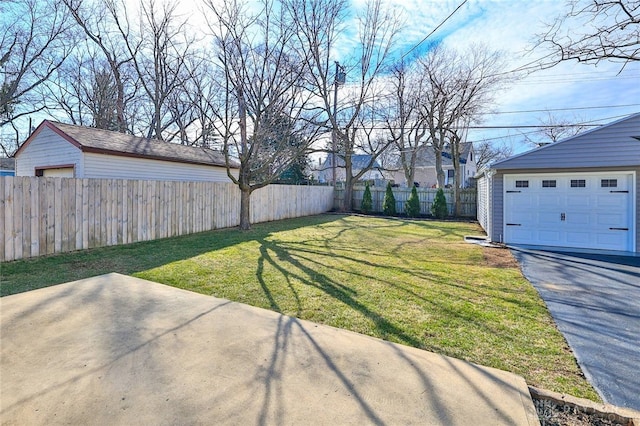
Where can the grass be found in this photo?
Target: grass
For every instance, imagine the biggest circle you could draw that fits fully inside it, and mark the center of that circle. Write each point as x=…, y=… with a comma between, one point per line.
x=410, y=282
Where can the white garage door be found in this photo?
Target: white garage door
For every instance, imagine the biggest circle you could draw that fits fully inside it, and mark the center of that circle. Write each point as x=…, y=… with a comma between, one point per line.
x=66, y=172
x=570, y=210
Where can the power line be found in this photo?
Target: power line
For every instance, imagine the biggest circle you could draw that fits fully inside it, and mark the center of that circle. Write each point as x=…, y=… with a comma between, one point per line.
x=563, y=109
x=434, y=30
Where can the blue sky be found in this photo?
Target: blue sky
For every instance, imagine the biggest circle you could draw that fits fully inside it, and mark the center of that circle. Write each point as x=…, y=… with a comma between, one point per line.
x=570, y=91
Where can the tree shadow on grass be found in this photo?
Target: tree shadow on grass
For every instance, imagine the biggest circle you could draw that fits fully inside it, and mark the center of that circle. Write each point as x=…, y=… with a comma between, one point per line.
x=302, y=263
x=314, y=278
x=30, y=274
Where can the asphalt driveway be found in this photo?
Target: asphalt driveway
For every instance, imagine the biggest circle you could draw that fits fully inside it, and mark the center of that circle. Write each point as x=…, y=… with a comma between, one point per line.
x=595, y=301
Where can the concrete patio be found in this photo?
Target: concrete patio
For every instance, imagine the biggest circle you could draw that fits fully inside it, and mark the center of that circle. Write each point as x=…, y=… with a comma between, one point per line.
x=119, y=350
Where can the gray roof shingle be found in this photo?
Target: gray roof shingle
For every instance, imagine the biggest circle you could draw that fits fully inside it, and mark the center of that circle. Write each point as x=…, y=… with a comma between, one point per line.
x=7, y=164
x=91, y=139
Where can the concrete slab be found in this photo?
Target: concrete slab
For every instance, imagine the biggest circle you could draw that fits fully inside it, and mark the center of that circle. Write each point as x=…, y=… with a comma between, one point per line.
x=119, y=350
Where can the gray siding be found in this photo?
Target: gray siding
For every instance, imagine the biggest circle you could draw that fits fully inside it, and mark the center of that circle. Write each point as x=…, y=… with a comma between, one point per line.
x=613, y=144
x=497, y=205
x=48, y=149
x=636, y=189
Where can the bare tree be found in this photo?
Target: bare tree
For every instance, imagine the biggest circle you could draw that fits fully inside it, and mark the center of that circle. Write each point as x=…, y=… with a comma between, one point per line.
x=97, y=20
x=459, y=87
x=159, y=49
x=262, y=97
x=403, y=118
x=487, y=153
x=319, y=24
x=554, y=128
x=35, y=40
x=595, y=30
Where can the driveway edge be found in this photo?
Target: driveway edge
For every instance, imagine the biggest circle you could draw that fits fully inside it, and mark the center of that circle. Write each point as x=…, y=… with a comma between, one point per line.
x=625, y=416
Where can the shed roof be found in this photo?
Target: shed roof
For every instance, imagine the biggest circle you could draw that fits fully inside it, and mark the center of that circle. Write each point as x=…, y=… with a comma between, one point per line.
x=358, y=161
x=7, y=164
x=616, y=144
x=89, y=139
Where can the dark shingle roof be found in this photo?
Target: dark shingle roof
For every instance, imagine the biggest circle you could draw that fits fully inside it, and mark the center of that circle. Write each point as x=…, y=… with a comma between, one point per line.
x=7, y=164
x=427, y=158
x=358, y=161
x=89, y=139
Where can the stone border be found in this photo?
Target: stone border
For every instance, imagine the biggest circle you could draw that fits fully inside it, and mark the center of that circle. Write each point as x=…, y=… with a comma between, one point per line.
x=622, y=415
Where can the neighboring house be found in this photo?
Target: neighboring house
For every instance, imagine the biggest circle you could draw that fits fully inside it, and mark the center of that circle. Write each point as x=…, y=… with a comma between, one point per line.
x=581, y=192
x=324, y=172
x=425, y=171
x=64, y=150
x=7, y=167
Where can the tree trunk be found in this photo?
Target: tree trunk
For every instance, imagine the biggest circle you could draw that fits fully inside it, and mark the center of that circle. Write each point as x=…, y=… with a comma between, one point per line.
x=457, y=175
x=347, y=202
x=439, y=171
x=245, y=208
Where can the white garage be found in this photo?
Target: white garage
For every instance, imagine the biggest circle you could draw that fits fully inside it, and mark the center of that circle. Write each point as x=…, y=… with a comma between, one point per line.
x=570, y=210
x=577, y=193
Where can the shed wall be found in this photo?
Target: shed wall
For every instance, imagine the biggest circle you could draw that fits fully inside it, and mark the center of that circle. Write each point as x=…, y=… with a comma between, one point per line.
x=102, y=166
x=48, y=149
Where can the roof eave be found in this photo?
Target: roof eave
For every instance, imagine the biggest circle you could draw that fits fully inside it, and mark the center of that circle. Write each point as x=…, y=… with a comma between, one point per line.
x=152, y=157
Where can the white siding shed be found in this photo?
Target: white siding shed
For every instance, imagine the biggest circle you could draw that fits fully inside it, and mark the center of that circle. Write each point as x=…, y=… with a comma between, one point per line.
x=57, y=149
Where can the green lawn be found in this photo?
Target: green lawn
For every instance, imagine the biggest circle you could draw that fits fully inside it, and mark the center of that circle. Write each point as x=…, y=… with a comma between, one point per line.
x=411, y=282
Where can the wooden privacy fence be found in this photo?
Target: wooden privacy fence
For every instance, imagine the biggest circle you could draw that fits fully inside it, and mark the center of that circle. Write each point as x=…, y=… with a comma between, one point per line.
x=41, y=216
x=426, y=196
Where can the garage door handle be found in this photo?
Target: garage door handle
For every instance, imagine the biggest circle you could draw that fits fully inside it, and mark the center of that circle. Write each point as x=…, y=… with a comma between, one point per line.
x=513, y=192
x=514, y=224
x=619, y=229
x=619, y=192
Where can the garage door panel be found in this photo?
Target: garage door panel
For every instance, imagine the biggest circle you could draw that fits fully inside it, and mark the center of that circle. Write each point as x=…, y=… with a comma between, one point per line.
x=521, y=235
x=524, y=201
x=548, y=218
x=578, y=218
x=578, y=239
x=582, y=201
x=612, y=219
x=566, y=216
x=549, y=237
x=609, y=201
x=549, y=201
x=611, y=239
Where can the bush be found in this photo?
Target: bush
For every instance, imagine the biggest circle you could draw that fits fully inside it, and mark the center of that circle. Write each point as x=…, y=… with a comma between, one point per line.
x=367, y=202
x=439, y=207
x=412, y=205
x=389, y=203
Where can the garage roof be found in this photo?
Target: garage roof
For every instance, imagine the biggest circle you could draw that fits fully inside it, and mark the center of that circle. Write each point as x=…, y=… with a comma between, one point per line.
x=612, y=145
x=89, y=139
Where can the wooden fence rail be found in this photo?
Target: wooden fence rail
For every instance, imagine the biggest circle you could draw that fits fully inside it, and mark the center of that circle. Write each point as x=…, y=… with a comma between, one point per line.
x=41, y=216
x=426, y=196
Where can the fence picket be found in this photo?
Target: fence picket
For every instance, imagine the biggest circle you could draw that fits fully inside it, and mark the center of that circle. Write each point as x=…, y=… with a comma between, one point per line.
x=41, y=216
x=426, y=196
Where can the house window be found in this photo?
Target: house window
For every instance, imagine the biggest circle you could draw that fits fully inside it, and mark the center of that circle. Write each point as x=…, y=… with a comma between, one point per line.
x=450, y=174
x=578, y=183
x=549, y=183
x=522, y=184
x=609, y=183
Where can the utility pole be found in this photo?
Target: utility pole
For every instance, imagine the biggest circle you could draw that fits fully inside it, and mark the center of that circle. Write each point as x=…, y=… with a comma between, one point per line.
x=339, y=79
